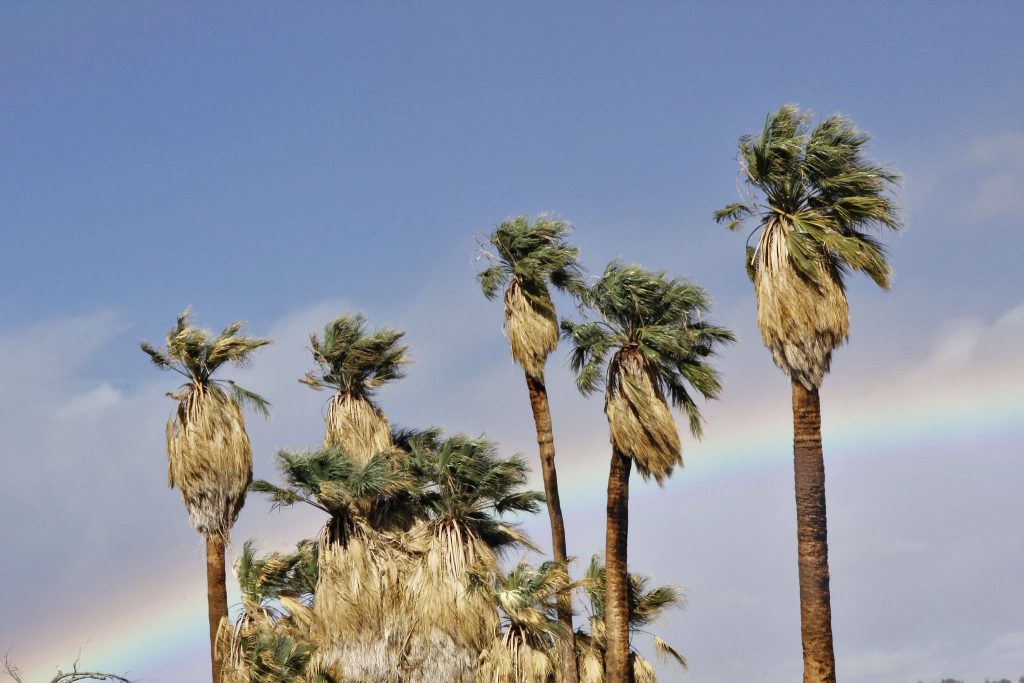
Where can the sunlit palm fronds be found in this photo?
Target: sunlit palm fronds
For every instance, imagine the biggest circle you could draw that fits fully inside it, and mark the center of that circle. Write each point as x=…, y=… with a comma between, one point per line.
x=815, y=198
x=649, y=348
x=527, y=256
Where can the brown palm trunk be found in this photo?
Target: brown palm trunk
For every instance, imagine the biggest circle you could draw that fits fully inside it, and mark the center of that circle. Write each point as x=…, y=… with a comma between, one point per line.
x=812, y=537
x=216, y=596
x=546, y=445
x=616, y=573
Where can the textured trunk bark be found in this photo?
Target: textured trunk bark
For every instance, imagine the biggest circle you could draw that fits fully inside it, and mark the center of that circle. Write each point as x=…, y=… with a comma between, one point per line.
x=546, y=446
x=216, y=597
x=812, y=538
x=616, y=610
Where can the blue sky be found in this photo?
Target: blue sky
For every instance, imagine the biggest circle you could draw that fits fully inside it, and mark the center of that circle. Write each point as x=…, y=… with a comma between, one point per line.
x=285, y=163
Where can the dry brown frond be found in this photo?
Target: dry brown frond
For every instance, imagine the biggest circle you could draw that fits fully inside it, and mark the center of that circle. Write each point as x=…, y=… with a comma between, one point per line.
x=532, y=329
x=640, y=422
x=801, y=320
x=358, y=426
x=513, y=659
x=209, y=458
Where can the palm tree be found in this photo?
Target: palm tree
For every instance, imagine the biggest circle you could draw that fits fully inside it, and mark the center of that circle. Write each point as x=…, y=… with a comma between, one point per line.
x=813, y=195
x=467, y=490
x=653, y=337
x=355, y=362
x=210, y=460
x=270, y=644
x=361, y=607
x=645, y=607
x=530, y=256
x=526, y=649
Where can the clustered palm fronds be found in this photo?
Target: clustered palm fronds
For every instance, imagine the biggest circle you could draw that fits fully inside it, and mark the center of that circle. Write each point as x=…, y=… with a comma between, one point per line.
x=210, y=460
x=818, y=198
x=646, y=606
x=530, y=256
x=355, y=362
x=648, y=347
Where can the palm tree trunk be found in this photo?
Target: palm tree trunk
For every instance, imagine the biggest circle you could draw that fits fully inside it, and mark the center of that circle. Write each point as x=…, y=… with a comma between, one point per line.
x=812, y=537
x=216, y=596
x=546, y=445
x=616, y=573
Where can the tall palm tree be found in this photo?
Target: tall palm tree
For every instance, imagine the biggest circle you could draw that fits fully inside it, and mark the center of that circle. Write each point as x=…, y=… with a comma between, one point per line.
x=528, y=257
x=651, y=342
x=354, y=362
x=209, y=457
x=813, y=196
x=646, y=606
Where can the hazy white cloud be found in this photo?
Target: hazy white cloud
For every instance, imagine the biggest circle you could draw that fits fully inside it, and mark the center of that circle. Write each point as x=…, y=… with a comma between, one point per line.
x=998, y=195
x=997, y=149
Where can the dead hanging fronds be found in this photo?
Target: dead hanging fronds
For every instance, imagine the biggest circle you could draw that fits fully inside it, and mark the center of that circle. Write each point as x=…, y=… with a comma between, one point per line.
x=531, y=327
x=802, y=319
x=639, y=419
x=358, y=426
x=209, y=457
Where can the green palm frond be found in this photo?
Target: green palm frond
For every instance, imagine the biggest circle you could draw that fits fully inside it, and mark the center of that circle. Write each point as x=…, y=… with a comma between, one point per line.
x=466, y=482
x=197, y=354
x=537, y=254
x=354, y=360
x=818, y=185
x=663, y=320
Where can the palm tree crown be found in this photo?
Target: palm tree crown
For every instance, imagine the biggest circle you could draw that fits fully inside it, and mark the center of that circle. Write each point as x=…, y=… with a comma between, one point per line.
x=355, y=362
x=814, y=197
x=529, y=256
x=646, y=606
x=210, y=459
x=654, y=331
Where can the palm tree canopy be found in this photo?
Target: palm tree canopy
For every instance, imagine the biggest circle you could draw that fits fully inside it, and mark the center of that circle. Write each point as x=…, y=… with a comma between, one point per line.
x=646, y=606
x=353, y=360
x=527, y=257
x=344, y=487
x=663, y=321
x=266, y=578
x=536, y=253
x=816, y=186
x=196, y=354
x=465, y=482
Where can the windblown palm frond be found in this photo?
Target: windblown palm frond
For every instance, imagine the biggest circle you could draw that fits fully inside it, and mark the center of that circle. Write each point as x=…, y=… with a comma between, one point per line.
x=209, y=457
x=648, y=349
x=815, y=198
x=646, y=606
x=528, y=256
x=355, y=361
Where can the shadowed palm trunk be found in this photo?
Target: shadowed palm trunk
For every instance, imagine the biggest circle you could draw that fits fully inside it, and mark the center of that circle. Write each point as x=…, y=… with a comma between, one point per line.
x=616, y=620
x=812, y=537
x=546, y=445
x=216, y=596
